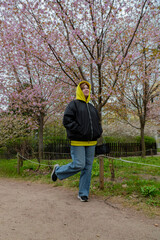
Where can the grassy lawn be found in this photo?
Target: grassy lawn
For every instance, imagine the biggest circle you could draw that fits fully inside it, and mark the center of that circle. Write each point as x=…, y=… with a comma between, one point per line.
x=135, y=184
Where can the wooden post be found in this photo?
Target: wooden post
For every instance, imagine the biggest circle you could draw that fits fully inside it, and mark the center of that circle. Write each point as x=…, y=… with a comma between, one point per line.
x=101, y=172
x=18, y=163
x=21, y=162
x=111, y=166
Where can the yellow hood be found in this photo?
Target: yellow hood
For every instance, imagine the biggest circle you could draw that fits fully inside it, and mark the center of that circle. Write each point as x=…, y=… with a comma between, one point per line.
x=79, y=93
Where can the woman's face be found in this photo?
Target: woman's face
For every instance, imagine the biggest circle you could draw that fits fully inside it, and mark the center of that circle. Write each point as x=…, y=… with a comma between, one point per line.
x=85, y=90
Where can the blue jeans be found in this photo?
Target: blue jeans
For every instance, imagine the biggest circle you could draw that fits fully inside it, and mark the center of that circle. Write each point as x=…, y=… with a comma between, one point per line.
x=82, y=157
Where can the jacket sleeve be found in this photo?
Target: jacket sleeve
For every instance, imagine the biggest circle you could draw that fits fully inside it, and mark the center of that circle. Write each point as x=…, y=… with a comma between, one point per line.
x=69, y=118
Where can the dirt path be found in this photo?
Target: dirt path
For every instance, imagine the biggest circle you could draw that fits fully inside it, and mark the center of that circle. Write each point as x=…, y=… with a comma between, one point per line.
x=31, y=211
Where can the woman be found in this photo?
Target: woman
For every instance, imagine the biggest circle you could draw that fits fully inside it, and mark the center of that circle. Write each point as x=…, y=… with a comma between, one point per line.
x=83, y=127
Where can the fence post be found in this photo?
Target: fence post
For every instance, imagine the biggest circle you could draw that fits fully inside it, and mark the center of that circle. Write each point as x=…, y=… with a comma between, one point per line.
x=18, y=163
x=111, y=166
x=151, y=152
x=101, y=172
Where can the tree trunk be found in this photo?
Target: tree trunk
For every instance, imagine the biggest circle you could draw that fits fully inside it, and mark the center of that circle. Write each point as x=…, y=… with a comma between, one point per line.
x=100, y=140
x=142, y=141
x=40, y=146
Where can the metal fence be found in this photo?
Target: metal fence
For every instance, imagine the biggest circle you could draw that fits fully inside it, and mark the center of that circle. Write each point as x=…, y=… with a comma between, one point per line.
x=60, y=149
x=7, y=156
x=130, y=149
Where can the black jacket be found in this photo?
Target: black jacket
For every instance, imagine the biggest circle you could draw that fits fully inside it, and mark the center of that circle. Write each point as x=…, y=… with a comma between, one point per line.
x=81, y=121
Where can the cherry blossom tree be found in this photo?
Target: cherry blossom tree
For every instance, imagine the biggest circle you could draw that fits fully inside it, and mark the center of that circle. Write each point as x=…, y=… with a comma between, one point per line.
x=87, y=40
x=28, y=87
x=138, y=92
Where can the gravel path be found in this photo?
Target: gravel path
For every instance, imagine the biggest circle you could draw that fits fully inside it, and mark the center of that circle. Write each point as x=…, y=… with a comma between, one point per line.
x=32, y=211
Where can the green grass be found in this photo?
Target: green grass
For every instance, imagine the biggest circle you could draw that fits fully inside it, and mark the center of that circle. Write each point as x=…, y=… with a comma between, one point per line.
x=158, y=149
x=136, y=184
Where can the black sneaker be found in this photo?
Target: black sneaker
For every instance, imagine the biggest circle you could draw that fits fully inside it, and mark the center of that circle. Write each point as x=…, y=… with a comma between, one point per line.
x=53, y=175
x=83, y=198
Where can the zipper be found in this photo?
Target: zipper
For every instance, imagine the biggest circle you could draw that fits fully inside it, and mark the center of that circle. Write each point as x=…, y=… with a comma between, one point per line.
x=90, y=121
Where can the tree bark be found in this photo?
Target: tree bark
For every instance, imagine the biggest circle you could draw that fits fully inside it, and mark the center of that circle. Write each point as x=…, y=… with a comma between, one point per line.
x=142, y=141
x=100, y=140
x=40, y=146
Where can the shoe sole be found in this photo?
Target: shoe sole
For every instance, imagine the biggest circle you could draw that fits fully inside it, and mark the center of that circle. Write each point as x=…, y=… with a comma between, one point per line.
x=53, y=172
x=82, y=199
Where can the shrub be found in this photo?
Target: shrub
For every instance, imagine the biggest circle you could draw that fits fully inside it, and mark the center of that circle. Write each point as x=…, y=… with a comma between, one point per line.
x=148, y=140
x=128, y=139
x=21, y=145
x=150, y=143
x=3, y=150
x=149, y=191
x=118, y=139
